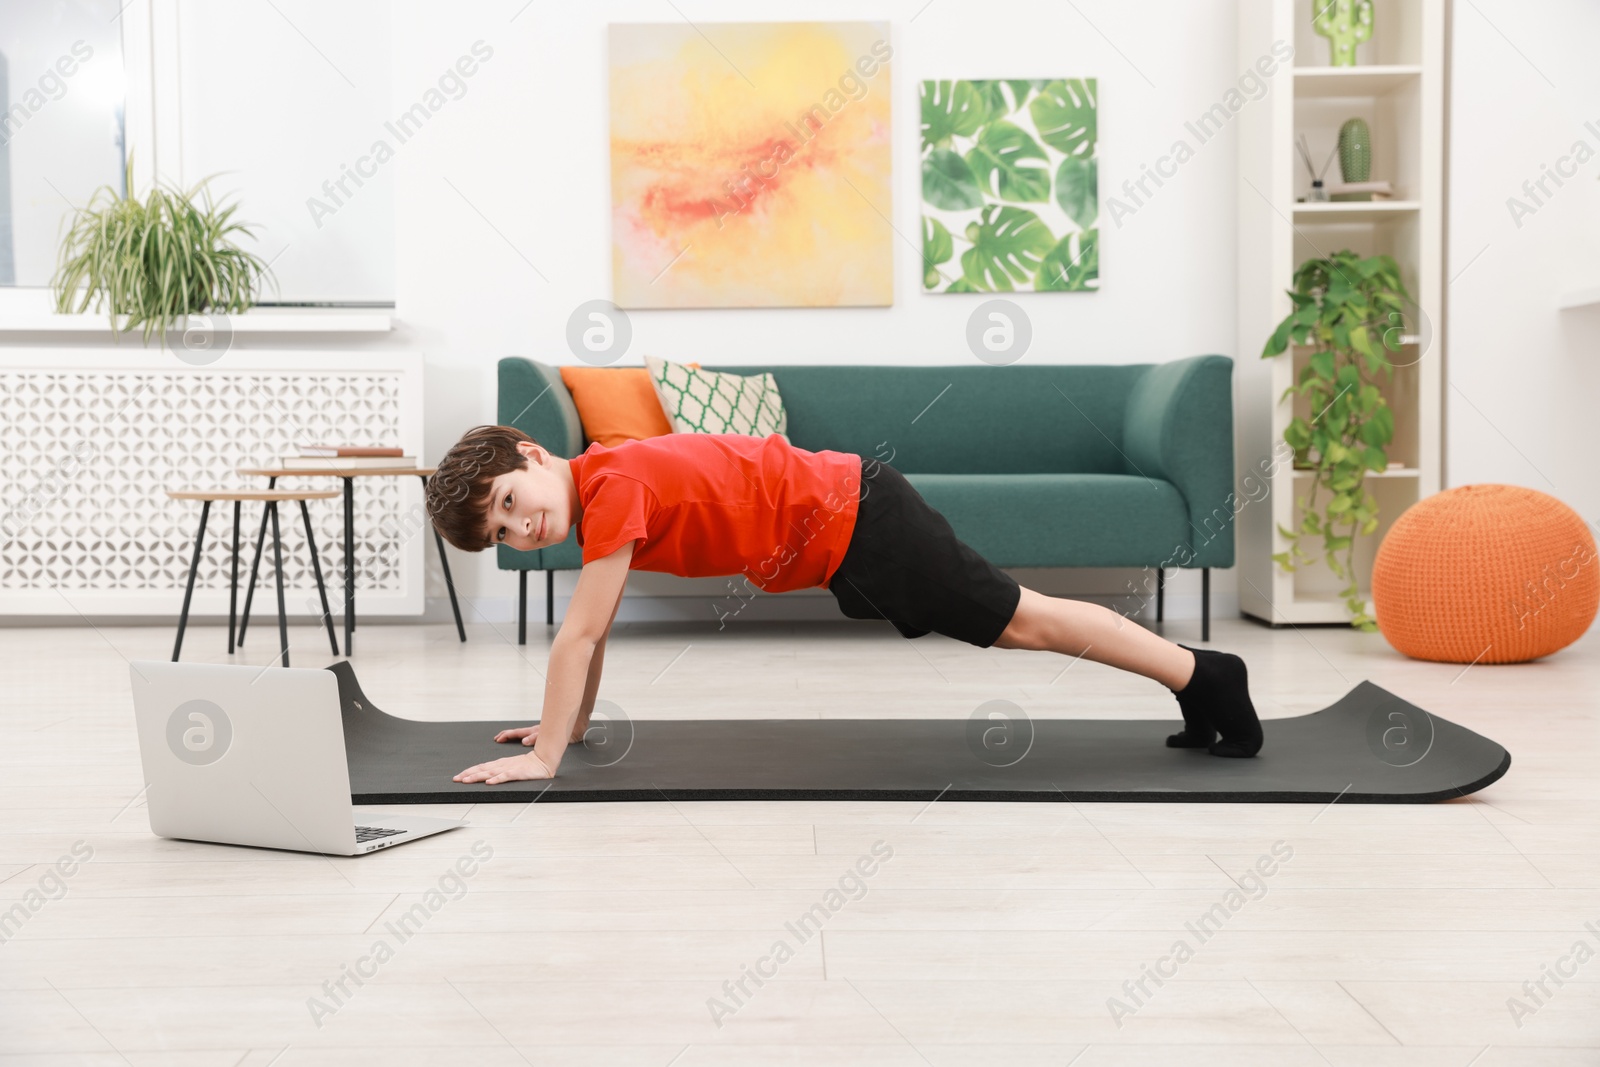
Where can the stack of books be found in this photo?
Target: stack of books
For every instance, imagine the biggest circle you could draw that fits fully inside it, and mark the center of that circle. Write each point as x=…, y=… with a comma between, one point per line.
x=347, y=457
x=1377, y=190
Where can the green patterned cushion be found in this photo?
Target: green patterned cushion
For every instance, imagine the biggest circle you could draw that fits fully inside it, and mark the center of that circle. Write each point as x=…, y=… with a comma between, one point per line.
x=707, y=401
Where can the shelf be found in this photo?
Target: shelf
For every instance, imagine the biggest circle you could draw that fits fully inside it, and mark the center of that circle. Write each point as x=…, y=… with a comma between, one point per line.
x=1398, y=91
x=1314, y=610
x=256, y=320
x=1352, y=81
x=1401, y=472
x=1405, y=339
x=1355, y=210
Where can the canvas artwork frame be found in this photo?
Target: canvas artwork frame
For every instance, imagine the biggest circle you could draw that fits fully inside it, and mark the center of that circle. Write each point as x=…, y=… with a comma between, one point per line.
x=1010, y=185
x=751, y=164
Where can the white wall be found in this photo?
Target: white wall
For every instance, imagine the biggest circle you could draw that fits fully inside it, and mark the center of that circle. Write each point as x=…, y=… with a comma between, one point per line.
x=527, y=148
x=1524, y=376
x=509, y=182
x=501, y=202
x=280, y=101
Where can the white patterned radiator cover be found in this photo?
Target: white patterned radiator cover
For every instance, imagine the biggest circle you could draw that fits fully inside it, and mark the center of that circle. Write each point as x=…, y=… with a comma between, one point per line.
x=91, y=440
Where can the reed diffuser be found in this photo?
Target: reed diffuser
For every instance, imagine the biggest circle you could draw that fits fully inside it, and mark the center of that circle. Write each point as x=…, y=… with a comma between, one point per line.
x=1317, y=194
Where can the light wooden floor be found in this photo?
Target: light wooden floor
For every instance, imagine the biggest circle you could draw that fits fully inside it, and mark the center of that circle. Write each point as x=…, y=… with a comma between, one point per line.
x=996, y=933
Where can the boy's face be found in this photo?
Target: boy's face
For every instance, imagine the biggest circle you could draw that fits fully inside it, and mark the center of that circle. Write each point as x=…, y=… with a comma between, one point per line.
x=530, y=508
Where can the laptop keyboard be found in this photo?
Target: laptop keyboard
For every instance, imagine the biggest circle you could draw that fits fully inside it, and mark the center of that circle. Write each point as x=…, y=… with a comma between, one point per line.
x=372, y=833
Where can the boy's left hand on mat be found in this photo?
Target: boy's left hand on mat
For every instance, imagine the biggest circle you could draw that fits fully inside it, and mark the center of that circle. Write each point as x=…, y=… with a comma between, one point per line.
x=511, y=769
x=526, y=734
x=529, y=734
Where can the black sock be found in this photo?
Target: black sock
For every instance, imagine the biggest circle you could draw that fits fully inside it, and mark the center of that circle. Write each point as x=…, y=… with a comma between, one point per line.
x=1217, y=698
x=1197, y=731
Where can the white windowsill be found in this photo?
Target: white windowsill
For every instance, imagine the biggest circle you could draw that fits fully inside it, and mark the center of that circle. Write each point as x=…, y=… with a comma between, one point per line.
x=256, y=320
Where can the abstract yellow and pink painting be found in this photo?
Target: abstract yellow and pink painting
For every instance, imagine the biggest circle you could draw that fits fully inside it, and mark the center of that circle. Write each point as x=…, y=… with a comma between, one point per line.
x=750, y=165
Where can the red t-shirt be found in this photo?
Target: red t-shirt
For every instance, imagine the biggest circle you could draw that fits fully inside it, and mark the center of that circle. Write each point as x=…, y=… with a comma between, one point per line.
x=706, y=505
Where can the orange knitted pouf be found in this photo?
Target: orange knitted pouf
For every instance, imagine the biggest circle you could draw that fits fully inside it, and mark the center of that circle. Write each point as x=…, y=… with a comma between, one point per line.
x=1486, y=573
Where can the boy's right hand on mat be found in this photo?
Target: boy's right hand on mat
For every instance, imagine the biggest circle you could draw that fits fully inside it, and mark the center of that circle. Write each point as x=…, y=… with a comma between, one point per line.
x=510, y=769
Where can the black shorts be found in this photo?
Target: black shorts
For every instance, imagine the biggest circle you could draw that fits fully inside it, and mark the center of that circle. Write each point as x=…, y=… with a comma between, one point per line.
x=905, y=564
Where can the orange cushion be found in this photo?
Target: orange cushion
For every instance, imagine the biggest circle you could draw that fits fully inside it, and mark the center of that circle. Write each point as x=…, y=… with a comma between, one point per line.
x=616, y=404
x=1486, y=573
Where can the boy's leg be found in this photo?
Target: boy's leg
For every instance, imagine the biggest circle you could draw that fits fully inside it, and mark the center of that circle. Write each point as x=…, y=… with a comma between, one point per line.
x=1079, y=628
x=905, y=563
x=1211, y=687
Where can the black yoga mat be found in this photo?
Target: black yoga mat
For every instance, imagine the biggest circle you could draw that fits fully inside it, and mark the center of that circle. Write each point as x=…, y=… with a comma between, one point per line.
x=1369, y=747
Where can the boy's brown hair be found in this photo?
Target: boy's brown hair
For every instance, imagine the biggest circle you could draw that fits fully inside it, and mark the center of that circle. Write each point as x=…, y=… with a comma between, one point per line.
x=458, y=492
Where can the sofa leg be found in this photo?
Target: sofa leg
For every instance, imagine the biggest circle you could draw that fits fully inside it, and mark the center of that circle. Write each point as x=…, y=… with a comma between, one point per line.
x=1205, y=603
x=549, y=598
x=522, y=607
x=1161, y=577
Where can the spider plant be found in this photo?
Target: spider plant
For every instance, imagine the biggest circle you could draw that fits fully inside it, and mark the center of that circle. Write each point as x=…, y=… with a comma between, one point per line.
x=155, y=261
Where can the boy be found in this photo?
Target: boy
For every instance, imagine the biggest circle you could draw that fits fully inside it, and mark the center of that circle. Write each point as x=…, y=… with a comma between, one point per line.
x=702, y=505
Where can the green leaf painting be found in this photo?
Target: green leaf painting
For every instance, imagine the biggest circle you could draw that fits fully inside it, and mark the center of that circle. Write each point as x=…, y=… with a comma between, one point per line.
x=1064, y=114
x=1074, y=260
x=1008, y=244
x=951, y=108
x=1010, y=186
x=1078, y=190
x=948, y=183
x=937, y=248
x=1004, y=161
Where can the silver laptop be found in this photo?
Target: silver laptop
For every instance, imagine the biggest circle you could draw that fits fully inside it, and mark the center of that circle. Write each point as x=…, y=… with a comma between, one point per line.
x=255, y=756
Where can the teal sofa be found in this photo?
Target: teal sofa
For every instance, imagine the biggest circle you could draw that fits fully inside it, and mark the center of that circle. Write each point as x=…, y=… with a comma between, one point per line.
x=1035, y=466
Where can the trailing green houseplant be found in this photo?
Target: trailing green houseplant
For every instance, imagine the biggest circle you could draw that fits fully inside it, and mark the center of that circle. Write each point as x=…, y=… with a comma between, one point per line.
x=1349, y=311
x=155, y=261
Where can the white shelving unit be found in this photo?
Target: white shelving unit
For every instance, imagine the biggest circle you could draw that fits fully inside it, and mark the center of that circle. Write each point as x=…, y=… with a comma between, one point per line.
x=1399, y=90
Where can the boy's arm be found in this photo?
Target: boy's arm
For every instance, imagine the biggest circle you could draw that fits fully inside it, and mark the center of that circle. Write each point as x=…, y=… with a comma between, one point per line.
x=573, y=674
x=591, y=688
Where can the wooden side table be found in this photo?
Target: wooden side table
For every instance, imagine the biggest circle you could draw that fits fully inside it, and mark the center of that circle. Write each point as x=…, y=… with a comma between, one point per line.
x=349, y=475
x=271, y=497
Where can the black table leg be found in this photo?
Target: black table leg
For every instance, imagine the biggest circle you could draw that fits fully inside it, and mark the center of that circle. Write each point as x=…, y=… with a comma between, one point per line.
x=445, y=565
x=277, y=561
x=1205, y=603
x=183, y=616
x=316, y=568
x=522, y=607
x=255, y=565
x=549, y=598
x=349, y=564
x=233, y=580
x=1161, y=580
x=455, y=608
